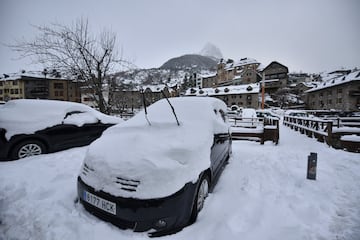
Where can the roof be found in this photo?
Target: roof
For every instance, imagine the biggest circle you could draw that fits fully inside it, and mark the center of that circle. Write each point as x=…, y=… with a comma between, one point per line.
x=335, y=81
x=153, y=88
x=208, y=75
x=32, y=75
x=227, y=90
x=241, y=62
x=275, y=62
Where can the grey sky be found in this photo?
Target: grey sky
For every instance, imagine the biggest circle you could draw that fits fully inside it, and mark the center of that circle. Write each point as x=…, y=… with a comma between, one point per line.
x=306, y=35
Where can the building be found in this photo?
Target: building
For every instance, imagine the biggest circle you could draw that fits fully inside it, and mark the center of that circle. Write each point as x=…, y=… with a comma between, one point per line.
x=340, y=92
x=276, y=77
x=31, y=86
x=245, y=95
x=244, y=71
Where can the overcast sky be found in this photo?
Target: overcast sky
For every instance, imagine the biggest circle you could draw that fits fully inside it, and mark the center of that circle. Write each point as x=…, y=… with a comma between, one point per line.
x=305, y=35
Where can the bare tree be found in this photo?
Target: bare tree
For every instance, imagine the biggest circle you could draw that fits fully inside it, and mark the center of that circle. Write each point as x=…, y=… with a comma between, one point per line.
x=73, y=50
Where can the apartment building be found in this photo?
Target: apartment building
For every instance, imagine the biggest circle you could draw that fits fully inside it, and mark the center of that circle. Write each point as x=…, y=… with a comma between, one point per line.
x=19, y=86
x=341, y=92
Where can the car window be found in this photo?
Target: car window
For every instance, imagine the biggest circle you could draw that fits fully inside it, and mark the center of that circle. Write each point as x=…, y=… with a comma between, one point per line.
x=80, y=118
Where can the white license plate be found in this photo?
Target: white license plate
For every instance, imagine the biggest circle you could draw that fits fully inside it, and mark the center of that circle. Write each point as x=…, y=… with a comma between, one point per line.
x=99, y=202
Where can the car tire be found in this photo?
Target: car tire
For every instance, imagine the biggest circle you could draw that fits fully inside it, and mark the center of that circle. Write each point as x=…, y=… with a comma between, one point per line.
x=28, y=148
x=202, y=192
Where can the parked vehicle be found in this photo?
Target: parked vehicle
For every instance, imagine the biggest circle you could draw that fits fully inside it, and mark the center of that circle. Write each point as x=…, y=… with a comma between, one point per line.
x=33, y=127
x=262, y=113
x=296, y=113
x=248, y=118
x=154, y=171
x=232, y=114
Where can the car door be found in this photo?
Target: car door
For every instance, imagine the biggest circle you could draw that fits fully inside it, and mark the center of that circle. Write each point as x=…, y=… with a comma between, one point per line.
x=75, y=131
x=220, y=147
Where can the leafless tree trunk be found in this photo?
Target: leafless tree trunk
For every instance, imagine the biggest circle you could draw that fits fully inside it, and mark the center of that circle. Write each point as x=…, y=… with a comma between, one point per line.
x=74, y=51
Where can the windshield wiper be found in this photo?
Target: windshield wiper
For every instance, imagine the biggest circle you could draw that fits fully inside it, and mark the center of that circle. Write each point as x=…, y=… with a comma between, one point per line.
x=172, y=108
x=144, y=103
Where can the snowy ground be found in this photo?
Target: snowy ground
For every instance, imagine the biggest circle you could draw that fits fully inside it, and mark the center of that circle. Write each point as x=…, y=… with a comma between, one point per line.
x=262, y=194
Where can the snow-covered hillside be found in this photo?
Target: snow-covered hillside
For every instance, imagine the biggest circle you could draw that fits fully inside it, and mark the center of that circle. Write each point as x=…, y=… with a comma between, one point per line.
x=263, y=193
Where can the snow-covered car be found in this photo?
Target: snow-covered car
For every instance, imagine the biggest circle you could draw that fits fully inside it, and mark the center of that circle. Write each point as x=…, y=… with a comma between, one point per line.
x=31, y=127
x=153, y=173
x=248, y=118
x=296, y=113
x=262, y=113
x=232, y=114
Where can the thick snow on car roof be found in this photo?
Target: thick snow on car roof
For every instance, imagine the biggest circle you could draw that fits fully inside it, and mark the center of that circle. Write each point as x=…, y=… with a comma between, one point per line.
x=162, y=156
x=30, y=115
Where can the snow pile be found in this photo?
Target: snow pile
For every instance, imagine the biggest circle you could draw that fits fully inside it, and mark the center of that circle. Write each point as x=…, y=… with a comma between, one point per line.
x=263, y=193
x=163, y=157
x=26, y=116
x=351, y=138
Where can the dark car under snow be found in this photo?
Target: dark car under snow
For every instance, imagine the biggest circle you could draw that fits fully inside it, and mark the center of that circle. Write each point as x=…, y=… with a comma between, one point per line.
x=152, y=174
x=33, y=127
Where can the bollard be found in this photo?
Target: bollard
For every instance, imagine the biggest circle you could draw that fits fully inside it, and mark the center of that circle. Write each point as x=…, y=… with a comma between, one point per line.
x=311, y=168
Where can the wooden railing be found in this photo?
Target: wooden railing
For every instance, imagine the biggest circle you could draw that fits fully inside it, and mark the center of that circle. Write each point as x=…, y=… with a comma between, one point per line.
x=259, y=129
x=329, y=131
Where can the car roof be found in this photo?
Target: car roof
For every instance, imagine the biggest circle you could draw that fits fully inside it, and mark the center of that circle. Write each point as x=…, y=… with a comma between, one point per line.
x=188, y=109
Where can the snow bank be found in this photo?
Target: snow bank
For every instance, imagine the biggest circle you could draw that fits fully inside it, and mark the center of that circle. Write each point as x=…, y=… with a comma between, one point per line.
x=163, y=156
x=28, y=116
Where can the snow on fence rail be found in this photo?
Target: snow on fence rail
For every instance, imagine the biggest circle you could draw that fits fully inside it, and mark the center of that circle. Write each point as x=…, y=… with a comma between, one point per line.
x=258, y=129
x=329, y=131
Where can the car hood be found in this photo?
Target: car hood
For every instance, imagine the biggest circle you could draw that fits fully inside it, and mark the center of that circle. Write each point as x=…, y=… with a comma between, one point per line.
x=161, y=161
x=159, y=158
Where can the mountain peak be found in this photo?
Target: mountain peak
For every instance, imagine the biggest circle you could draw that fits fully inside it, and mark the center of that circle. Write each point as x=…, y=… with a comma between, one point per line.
x=212, y=51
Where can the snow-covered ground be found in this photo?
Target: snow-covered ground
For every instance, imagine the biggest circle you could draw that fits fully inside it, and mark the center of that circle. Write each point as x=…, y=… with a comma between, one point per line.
x=263, y=193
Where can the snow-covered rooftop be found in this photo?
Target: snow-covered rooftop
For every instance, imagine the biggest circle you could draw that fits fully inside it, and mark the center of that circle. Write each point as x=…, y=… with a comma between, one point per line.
x=241, y=62
x=30, y=74
x=334, y=81
x=208, y=75
x=235, y=89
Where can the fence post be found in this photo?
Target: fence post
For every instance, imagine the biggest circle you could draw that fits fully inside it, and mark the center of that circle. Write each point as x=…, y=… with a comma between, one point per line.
x=311, y=167
x=329, y=133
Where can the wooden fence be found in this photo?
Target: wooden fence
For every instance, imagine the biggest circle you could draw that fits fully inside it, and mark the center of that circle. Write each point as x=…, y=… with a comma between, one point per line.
x=258, y=129
x=329, y=131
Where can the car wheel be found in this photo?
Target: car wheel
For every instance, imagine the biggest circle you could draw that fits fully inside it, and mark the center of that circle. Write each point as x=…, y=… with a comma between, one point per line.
x=201, y=194
x=28, y=148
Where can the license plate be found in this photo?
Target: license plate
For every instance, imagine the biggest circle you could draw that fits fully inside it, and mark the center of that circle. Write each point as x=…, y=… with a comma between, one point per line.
x=99, y=202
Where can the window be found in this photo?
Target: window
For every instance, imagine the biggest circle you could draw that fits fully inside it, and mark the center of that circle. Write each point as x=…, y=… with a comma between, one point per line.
x=15, y=83
x=59, y=85
x=14, y=91
x=1, y=91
